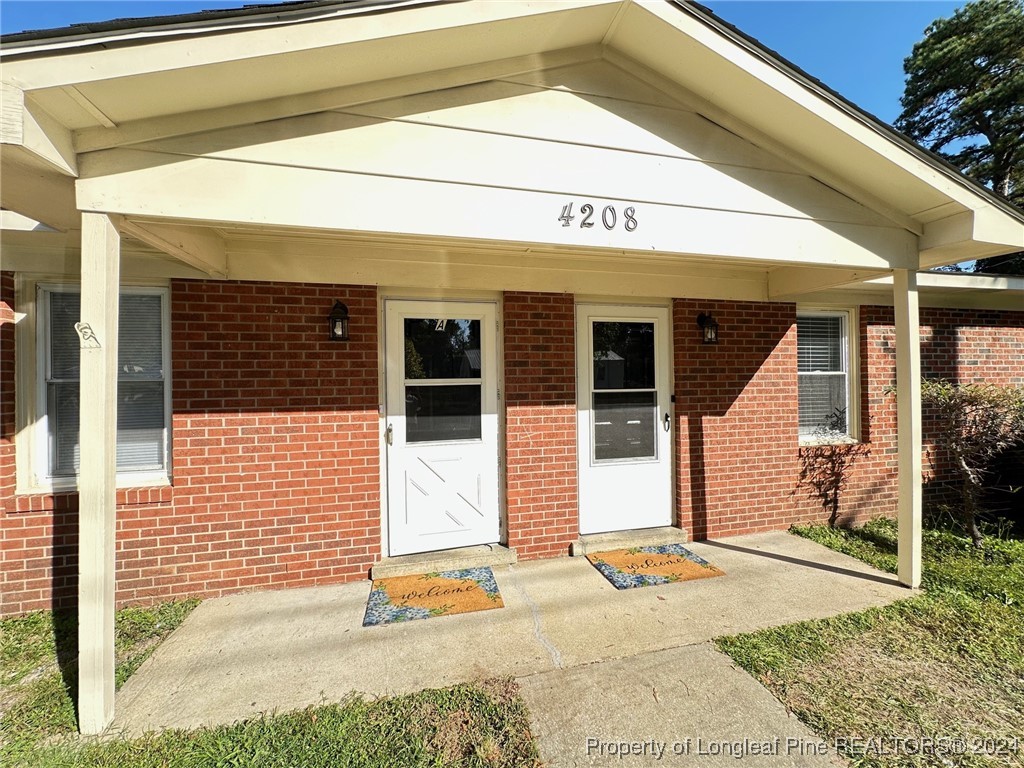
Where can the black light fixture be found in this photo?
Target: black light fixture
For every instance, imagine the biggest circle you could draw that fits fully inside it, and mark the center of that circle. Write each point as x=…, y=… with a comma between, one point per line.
x=338, y=320
x=709, y=327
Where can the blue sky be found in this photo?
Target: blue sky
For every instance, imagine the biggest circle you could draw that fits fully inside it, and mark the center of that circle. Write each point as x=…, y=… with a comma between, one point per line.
x=855, y=47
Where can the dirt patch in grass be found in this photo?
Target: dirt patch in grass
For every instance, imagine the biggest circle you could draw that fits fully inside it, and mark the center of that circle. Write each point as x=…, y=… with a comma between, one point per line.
x=465, y=726
x=482, y=724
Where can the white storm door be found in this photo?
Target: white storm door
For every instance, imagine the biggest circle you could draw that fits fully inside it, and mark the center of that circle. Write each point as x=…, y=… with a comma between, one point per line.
x=441, y=425
x=624, y=424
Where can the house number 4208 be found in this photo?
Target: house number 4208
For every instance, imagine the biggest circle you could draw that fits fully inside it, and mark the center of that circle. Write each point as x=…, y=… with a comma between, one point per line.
x=609, y=217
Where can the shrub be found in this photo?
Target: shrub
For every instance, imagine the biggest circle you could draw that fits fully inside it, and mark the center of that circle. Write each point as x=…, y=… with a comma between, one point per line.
x=975, y=423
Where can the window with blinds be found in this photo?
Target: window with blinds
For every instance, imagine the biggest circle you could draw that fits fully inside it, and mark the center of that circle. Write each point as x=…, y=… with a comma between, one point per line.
x=142, y=360
x=823, y=375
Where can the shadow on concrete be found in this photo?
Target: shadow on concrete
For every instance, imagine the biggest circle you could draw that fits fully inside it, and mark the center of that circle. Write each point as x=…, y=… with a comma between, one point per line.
x=889, y=580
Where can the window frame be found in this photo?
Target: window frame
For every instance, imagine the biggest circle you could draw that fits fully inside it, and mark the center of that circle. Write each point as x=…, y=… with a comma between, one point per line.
x=41, y=451
x=850, y=326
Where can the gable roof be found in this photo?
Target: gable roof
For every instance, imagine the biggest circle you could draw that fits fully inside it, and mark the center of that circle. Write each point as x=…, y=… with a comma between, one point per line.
x=123, y=29
x=102, y=93
x=126, y=31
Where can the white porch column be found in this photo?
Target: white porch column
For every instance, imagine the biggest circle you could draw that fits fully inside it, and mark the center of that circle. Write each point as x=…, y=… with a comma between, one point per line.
x=908, y=424
x=101, y=256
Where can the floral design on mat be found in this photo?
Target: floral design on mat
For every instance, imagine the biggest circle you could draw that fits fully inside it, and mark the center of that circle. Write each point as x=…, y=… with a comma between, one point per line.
x=405, y=598
x=644, y=566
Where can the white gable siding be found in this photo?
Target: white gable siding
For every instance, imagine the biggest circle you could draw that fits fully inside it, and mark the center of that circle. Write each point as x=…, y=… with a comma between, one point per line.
x=498, y=161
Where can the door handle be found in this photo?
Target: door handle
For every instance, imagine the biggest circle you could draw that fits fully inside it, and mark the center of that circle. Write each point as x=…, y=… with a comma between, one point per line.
x=389, y=435
x=668, y=422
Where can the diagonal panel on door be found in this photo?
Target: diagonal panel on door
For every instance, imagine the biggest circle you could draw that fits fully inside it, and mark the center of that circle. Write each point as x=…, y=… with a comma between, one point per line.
x=441, y=410
x=446, y=493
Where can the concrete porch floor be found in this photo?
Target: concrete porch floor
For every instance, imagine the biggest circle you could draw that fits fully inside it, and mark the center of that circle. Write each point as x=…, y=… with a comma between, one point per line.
x=238, y=656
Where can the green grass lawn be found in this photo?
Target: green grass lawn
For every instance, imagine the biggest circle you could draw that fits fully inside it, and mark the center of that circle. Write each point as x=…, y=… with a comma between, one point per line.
x=484, y=724
x=947, y=664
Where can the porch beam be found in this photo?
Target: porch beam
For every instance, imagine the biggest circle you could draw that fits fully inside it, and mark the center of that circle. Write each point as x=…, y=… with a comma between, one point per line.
x=35, y=191
x=197, y=247
x=785, y=282
x=101, y=254
x=908, y=425
x=973, y=234
x=144, y=184
x=25, y=125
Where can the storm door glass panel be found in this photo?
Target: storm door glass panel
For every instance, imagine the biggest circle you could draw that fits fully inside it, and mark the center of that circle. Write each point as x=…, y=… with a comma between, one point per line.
x=442, y=349
x=443, y=380
x=624, y=398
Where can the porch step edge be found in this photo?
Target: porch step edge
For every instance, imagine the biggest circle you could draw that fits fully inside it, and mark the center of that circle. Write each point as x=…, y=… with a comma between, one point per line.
x=445, y=560
x=641, y=537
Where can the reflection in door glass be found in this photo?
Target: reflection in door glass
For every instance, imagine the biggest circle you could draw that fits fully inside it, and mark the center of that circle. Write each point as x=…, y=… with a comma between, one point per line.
x=447, y=412
x=625, y=425
x=442, y=348
x=623, y=355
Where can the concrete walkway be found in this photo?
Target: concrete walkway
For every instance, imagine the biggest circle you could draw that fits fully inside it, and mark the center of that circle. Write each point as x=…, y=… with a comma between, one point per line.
x=594, y=662
x=683, y=706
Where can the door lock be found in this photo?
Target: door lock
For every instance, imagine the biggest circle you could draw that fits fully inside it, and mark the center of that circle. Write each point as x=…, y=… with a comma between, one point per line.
x=668, y=422
x=389, y=435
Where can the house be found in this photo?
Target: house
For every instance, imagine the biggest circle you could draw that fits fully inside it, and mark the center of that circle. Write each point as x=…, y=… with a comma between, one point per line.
x=291, y=289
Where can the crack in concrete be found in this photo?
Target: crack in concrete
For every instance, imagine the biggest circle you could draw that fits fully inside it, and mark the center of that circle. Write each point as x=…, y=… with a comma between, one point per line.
x=538, y=632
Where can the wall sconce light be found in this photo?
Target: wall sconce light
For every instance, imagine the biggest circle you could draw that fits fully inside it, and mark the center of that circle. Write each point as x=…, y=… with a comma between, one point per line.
x=338, y=320
x=709, y=328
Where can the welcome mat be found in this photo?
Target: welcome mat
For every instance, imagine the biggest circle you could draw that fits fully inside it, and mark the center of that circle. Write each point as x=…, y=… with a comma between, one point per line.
x=643, y=566
x=404, y=598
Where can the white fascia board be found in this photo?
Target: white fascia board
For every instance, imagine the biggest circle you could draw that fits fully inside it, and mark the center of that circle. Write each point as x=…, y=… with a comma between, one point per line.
x=201, y=26
x=242, y=41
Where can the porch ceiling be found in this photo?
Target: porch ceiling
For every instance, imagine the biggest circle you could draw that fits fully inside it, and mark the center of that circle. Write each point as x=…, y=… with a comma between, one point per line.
x=99, y=93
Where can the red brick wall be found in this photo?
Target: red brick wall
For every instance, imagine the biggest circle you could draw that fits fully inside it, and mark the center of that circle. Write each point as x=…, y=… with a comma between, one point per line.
x=736, y=418
x=276, y=444
x=275, y=457
x=540, y=423
x=961, y=345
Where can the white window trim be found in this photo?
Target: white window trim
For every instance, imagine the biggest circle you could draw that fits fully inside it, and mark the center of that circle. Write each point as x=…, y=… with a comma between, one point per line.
x=32, y=442
x=851, y=353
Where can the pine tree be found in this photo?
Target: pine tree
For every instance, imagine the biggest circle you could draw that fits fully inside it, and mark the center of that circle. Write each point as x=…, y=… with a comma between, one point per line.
x=964, y=95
